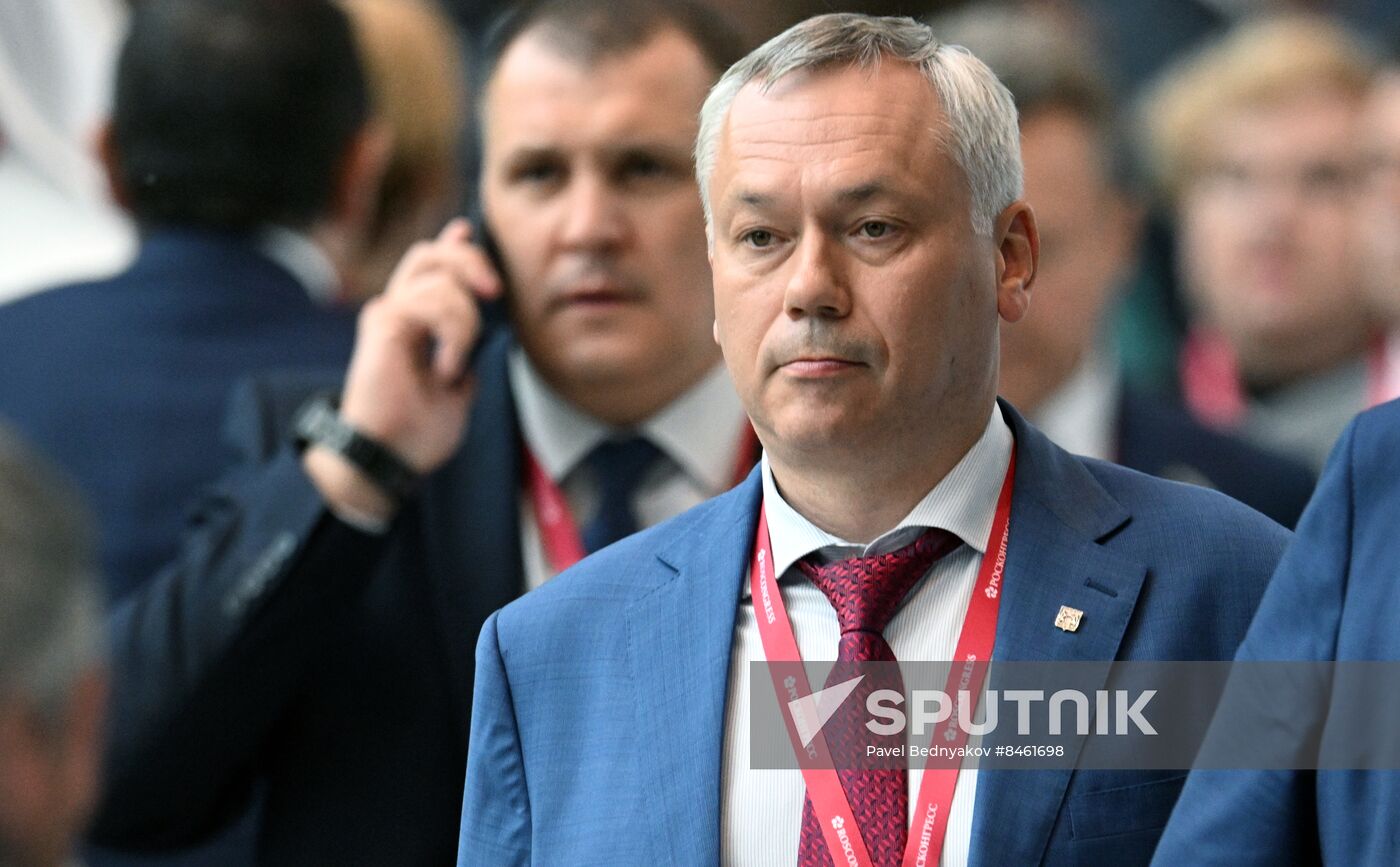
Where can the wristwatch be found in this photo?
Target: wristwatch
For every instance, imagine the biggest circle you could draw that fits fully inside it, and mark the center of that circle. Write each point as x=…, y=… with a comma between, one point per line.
x=318, y=422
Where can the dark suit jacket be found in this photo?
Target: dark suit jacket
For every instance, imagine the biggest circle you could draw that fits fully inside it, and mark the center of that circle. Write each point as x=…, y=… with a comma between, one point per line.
x=334, y=666
x=1335, y=596
x=1160, y=438
x=600, y=698
x=125, y=381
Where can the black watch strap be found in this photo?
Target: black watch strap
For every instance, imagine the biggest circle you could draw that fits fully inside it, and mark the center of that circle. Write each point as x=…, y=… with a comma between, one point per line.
x=318, y=422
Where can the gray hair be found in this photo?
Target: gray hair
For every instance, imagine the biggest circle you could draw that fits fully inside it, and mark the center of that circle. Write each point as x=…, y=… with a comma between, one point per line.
x=982, y=135
x=50, y=606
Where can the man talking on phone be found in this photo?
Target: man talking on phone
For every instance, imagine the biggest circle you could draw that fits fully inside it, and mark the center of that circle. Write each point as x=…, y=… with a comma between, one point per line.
x=314, y=640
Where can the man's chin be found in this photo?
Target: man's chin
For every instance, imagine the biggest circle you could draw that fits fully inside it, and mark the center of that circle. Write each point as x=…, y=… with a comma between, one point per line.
x=603, y=362
x=819, y=433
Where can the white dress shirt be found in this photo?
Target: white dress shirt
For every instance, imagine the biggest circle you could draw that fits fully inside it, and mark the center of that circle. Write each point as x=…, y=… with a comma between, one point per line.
x=1081, y=416
x=1389, y=386
x=761, y=810
x=700, y=435
x=304, y=259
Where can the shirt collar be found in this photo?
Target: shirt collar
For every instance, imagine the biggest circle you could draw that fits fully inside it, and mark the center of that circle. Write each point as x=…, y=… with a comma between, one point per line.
x=703, y=429
x=964, y=503
x=304, y=260
x=1081, y=415
x=700, y=431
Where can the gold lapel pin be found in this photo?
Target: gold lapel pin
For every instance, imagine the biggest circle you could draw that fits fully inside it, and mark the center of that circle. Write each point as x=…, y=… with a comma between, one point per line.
x=1068, y=618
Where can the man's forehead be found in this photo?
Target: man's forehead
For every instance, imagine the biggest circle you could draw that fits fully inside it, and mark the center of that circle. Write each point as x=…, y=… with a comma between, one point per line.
x=666, y=62
x=539, y=93
x=844, y=124
x=1299, y=127
x=831, y=105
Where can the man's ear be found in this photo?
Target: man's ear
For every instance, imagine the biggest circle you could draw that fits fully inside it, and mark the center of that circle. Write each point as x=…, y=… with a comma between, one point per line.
x=1018, y=252
x=109, y=156
x=355, y=199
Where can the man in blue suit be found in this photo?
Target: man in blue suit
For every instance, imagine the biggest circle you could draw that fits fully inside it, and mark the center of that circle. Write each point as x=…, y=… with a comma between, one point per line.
x=250, y=196
x=244, y=190
x=861, y=184
x=1334, y=597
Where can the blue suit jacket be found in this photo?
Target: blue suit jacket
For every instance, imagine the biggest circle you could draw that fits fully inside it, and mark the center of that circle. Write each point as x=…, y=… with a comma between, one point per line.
x=125, y=381
x=1335, y=596
x=600, y=698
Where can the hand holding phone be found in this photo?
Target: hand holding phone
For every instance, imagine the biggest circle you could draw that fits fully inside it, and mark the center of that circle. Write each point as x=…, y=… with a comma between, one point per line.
x=410, y=386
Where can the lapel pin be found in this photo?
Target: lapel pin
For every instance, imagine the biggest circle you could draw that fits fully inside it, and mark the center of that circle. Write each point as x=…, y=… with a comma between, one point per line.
x=1068, y=618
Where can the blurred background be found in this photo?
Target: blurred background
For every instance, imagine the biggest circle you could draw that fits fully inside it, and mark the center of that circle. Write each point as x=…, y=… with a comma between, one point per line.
x=1216, y=182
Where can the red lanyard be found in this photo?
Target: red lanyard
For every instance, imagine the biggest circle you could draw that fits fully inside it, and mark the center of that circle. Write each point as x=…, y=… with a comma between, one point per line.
x=559, y=532
x=974, y=649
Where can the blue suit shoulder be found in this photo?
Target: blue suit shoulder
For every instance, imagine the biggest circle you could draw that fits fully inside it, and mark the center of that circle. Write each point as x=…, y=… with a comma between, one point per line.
x=1164, y=504
x=1375, y=440
x=1209, y=560
x=29, y=322
x=1167, y=514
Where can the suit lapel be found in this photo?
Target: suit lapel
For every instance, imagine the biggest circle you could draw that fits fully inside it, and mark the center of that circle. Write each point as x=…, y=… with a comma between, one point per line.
x=679, y=640
x=1059, y=516
x=471, y=523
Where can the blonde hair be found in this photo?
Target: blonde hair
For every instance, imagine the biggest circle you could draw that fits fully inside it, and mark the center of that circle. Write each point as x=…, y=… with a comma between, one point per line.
x=1259, y=62
x=414, y=70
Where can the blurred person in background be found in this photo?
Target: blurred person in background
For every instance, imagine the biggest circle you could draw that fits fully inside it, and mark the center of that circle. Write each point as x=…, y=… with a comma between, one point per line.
x=1254, y=141
x=240, y=142
x=418, y=90
x=1378, y=213
x=56, y=223
x=242, y=145
x=316, y=632
x=52, y=678
x=1060, y=364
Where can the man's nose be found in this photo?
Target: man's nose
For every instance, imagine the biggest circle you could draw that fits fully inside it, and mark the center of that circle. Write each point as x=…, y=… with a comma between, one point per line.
x=595, y=217
x=818, y=285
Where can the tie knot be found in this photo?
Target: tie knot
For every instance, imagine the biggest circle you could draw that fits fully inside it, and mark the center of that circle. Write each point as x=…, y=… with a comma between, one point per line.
x=866, y=591
x=620, y=464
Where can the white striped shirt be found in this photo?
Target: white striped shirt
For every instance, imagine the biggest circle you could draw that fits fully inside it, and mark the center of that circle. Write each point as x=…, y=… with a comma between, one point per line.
x=761, y=810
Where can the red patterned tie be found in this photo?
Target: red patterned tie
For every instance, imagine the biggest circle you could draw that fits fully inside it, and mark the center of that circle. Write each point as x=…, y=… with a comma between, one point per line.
x=866, y=592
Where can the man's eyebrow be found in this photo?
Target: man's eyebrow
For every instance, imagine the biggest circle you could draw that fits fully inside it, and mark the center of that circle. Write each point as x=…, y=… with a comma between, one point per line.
x=754, y=199
x=862, y=192
x=668, y=150
x=850, y=195
x=532, y=152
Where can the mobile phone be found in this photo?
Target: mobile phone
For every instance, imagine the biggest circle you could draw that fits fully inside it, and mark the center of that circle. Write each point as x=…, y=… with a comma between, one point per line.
x=493, y=313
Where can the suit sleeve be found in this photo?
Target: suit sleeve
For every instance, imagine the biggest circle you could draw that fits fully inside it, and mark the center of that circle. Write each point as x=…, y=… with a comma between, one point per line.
x=207, y=657
x=1247, y=817
x=496, y=804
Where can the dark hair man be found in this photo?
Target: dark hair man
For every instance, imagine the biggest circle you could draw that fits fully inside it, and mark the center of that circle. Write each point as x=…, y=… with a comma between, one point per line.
x=239, y=142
